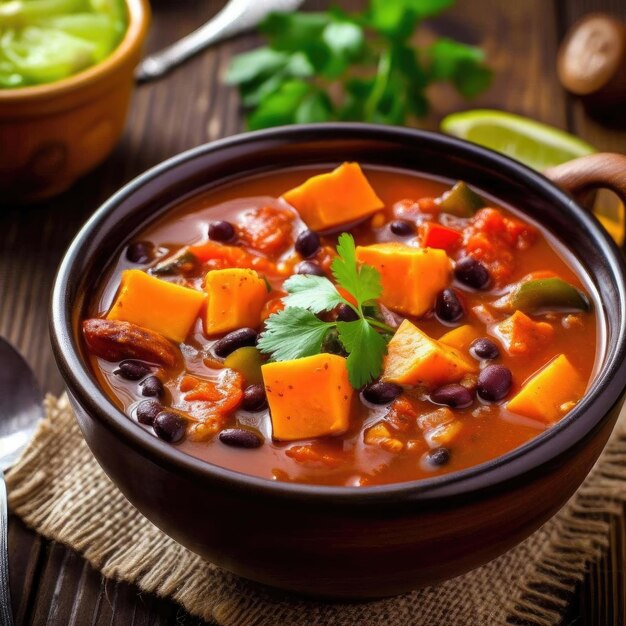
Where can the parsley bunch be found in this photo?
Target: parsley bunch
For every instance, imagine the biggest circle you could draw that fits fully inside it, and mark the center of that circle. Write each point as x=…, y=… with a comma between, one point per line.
x=296, y=331
x=362, y=66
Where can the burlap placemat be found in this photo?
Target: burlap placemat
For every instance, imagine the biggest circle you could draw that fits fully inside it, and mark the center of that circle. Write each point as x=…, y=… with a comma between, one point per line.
x=58, y=489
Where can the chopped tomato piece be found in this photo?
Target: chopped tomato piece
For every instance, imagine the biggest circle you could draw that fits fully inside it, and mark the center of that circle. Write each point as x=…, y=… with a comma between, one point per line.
x=492, y=238
x=314, y=453
x=217, y=256
x=268, y=230
x=434, y=235
x=210, y=402
x=273, y=306
x=402, y=414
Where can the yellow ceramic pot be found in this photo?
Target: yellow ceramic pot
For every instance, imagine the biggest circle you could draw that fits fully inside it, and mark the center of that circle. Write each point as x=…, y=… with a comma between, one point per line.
x=51, y=134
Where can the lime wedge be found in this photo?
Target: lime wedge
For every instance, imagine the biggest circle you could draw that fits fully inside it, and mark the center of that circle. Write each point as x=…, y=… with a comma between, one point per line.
x=537, y=145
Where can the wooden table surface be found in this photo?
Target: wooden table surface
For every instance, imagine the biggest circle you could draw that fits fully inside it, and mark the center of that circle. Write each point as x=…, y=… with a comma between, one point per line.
x=52, y=585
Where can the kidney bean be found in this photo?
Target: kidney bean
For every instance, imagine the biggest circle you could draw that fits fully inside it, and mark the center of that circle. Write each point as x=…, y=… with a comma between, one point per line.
x=239, y=438
x=402, y=228
x=381, y=393
x=307, y=243
x=448, y=307
x=147, y=411
x=494, y=383
x=346, y=313
x=472, y=273
x=132, y=370
x=254, y=398
x=169, y=426
x=140, y=252
x=438, y=457
x=151, y=387
x=484, y=349
x=221, y=231
x=309, y=267
x=235, y=340
x=453, y=395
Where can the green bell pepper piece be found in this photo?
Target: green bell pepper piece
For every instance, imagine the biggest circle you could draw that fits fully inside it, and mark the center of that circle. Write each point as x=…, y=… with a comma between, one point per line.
x=247, y=361
x=544, y=294
x=461, y=200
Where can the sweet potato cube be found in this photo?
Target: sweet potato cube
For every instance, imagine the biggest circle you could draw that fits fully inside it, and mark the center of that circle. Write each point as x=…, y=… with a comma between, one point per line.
x=461, y=338
x=235, y=299
x=411, y=277
x=521, y=335
x=152, y=303
x=549, y=393
x=414, y=358
x=341, y=196
x=308, y=397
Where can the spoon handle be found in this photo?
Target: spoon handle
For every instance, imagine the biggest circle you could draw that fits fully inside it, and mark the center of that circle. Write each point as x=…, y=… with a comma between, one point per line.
x=6, y=618
x=236, y=17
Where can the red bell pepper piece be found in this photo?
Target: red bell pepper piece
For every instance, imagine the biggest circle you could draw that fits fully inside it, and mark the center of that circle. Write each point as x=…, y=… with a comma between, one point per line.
x=434, y=235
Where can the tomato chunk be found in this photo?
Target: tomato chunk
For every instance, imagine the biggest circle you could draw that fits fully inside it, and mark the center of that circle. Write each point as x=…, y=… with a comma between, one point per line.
x=493, y=238
x=267, y=230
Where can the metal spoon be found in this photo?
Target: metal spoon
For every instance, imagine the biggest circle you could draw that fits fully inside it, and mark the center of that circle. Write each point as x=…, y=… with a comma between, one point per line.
x=236, y=17
x=21, y=407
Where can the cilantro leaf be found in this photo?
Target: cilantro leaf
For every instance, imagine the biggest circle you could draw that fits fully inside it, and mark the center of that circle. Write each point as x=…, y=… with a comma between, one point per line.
x=461, y=64
x=293, y=333
x=366, y=348
x=361, y=282
x=364, y=66
x=314, y=293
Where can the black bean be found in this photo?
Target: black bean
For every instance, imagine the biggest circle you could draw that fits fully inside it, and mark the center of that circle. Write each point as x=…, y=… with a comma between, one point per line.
x=309, y=267
x=254, y=398
x=307, y=243
x=484, y=349
x=494, y=383
x=140, y=252
x=448, y=307
x=151, y=387
x=233, y=341
x=472, y=273
x=453, y=395
x=438, y=456
x=402, y=228
x=147, y=411
x=221, y=231
x=132, y=370
x=346, y=313
x=169, y=426
x=381, y=393
x=240, y=438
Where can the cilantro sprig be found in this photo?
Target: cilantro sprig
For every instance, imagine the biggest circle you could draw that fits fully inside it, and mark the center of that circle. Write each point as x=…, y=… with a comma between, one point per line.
x=296, y=331
x=362, y=66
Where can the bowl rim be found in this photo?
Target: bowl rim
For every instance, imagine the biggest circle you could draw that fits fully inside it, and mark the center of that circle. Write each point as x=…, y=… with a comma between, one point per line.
x=499, y=473
x=138, y=19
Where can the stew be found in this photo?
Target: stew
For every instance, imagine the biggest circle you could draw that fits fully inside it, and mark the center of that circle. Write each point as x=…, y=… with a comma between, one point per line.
x=344, y=326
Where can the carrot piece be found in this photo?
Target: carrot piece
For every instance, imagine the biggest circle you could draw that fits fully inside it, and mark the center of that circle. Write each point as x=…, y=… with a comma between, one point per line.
x=549, y=393
x=414, y=358
x=411, y=277
x=341, y=196
x=235, y=299
x=308, y=397
x=461, y=337
x=165, y=308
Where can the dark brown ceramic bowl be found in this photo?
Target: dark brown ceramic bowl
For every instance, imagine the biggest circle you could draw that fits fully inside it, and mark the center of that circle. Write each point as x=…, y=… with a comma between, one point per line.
x=341, y=541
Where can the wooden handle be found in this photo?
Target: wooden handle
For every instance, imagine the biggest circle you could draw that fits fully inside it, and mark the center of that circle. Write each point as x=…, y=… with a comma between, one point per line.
x=595, y=171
